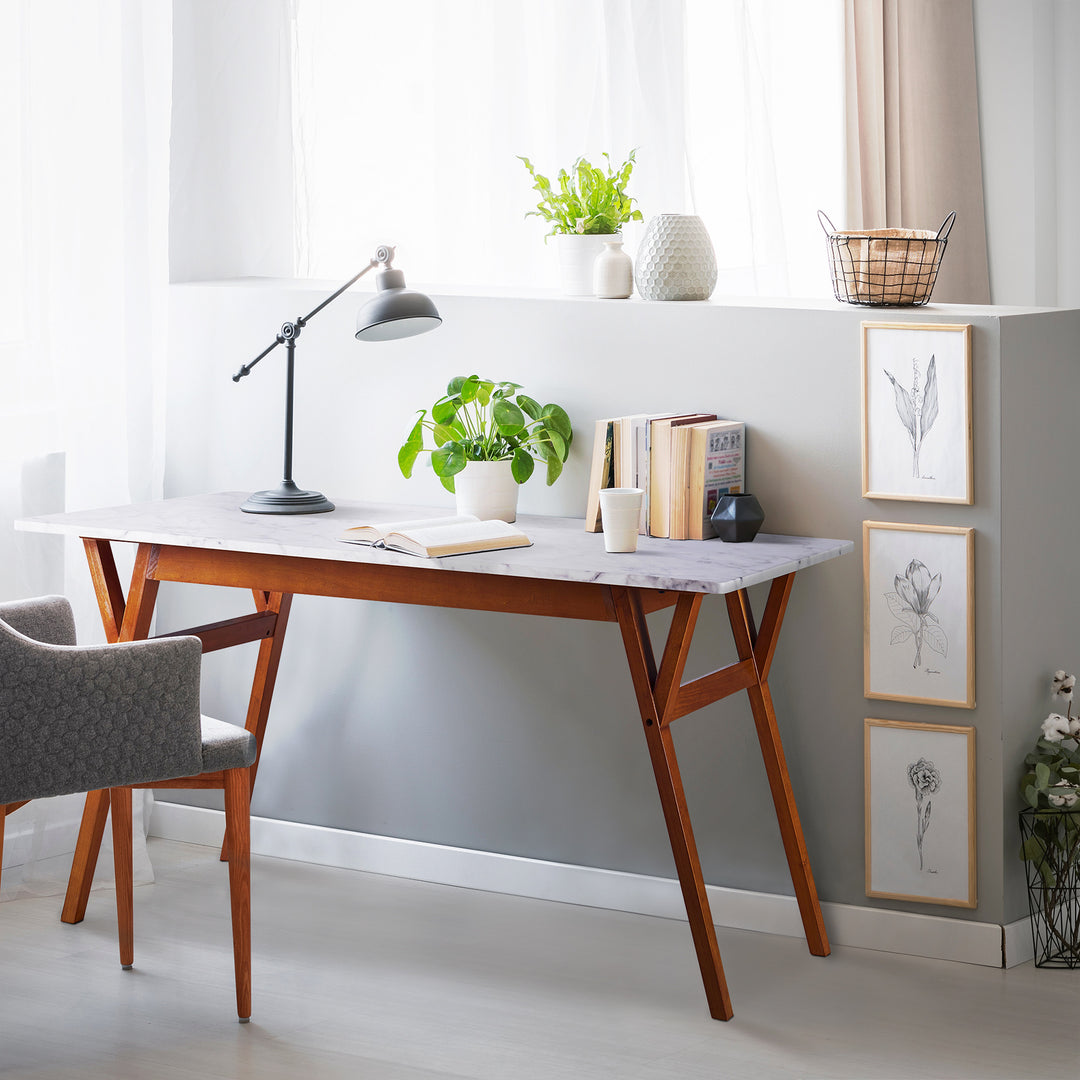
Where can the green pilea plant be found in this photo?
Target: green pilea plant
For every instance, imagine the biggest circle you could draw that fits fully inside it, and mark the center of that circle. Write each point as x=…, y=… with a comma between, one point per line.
x=481, y=420
x=586, y=199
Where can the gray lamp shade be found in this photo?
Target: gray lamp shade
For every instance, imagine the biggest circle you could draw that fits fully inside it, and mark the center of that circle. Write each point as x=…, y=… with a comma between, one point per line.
x=394, y=311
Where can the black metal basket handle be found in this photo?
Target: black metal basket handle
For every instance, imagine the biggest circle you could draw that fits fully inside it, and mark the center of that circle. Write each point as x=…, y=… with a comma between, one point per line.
x=827, y=225
x=946, y=226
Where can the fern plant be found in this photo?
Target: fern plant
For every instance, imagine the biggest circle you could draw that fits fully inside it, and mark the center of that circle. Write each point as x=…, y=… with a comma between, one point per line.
x=586, y=199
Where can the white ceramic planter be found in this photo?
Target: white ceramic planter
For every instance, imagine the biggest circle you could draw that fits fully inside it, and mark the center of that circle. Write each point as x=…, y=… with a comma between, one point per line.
x=487, y=490
x=577, y=256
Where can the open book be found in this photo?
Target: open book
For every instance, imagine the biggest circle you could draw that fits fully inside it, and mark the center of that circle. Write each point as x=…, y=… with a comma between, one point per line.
x=432, y=538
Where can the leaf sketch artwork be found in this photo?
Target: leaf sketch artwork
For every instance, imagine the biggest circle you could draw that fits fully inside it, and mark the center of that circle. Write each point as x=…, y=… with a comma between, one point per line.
x=915, y=591
x=917, y=410
x=926, y=780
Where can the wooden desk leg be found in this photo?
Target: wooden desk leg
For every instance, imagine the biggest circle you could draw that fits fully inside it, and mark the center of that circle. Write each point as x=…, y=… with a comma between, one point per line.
x=648, y=684
x=262, y=687
x=760, y=648
x=123, y=621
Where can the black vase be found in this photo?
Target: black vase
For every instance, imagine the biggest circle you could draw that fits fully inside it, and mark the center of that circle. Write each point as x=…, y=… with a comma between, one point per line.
x=737, y=518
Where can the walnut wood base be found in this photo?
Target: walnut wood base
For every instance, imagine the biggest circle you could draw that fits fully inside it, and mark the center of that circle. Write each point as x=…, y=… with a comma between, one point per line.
x=661, y=695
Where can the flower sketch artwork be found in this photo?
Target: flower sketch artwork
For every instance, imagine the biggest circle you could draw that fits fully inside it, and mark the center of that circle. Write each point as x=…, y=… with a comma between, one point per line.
x=926, y=780
x=918, y=611
x=915, y=591
x=928, y=769
x=917, y=412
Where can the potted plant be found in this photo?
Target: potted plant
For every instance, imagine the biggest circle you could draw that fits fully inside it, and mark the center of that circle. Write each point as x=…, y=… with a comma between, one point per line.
x=488, y=438
x=1050, y=834
x=585, y=208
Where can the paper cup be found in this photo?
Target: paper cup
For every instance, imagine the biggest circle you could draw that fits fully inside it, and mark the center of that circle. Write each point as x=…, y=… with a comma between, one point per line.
x=620, y=513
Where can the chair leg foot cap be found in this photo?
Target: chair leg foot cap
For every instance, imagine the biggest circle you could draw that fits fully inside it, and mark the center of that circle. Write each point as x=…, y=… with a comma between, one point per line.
x=245, y=1019
x=127, y=967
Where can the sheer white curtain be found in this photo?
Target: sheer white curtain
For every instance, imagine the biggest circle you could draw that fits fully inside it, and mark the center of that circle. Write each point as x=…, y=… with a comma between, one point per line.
x=408, y=118
x=84, y=192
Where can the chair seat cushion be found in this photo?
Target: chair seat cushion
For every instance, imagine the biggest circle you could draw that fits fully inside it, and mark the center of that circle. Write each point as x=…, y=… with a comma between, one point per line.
x=225, y=746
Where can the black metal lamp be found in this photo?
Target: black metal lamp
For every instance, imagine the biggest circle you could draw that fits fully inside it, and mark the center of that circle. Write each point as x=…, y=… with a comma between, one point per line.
x=393, y=312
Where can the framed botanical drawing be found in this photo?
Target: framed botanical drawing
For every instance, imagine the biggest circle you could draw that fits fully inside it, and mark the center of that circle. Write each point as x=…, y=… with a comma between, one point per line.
x=919, y=613
x=920, y=812
x=916, y=412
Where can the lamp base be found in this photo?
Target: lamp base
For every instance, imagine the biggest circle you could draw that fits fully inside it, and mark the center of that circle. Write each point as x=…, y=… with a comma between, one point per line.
x=287, y=498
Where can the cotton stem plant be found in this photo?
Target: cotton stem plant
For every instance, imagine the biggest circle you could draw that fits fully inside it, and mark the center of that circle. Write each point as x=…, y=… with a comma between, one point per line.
x=1051, y=788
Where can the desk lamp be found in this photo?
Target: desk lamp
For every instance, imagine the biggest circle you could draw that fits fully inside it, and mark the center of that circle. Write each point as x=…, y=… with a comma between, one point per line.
x=393, y=312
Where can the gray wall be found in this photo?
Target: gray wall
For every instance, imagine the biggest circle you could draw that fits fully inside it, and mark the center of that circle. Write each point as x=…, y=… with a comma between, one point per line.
x=513, y=734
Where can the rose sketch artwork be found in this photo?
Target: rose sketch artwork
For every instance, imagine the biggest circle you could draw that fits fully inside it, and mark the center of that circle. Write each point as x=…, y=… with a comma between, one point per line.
x=916, y=590
x=925, y=778
x=917, y=410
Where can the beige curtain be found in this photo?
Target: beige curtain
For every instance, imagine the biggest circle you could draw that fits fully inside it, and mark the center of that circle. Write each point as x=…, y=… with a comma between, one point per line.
x=912, y=130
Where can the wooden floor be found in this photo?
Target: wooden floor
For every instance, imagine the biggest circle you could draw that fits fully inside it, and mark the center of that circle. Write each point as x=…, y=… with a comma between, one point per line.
x=359, y=976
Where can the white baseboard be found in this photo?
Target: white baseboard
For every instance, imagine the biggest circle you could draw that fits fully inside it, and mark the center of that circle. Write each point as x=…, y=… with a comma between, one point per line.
x=1016, y=943
x=847, y=924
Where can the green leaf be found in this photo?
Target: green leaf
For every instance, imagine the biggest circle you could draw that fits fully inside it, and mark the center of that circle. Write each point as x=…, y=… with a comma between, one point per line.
x=443, y=434
x=449, y=459
x=529, y=406
x=448, y=483
x=554, y=469
x=554, y=417
x=470, y=388
x=453, y=388
x=1031, y=796
x=522, y=465
x=406, y=458
x=508, y=417
x=443, y=412
x=1042, y=776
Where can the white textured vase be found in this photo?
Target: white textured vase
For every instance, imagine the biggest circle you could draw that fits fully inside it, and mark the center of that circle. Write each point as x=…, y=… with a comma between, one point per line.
x=613, y=272
x=577, y=254
x=676, y=260
x=487, y=490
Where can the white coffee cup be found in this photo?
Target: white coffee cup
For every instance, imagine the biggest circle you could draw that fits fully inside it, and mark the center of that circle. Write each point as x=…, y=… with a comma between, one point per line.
x=620, y=513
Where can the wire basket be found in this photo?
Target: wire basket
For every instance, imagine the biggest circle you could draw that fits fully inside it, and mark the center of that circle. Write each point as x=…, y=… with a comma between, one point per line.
x=885, y=267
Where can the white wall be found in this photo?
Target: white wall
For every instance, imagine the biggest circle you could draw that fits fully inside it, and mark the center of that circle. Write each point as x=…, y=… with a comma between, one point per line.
x=383, y=721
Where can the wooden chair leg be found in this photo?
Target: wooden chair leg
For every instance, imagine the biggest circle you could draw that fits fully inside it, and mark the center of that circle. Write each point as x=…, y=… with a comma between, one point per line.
x=86, y=852
x=120, y=805
x=238, y=836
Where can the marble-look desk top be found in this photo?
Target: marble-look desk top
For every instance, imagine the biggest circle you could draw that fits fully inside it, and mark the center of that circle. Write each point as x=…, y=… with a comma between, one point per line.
x=562, y=550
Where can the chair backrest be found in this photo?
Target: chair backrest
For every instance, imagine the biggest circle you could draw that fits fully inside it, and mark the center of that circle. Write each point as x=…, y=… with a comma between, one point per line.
x=82, y=718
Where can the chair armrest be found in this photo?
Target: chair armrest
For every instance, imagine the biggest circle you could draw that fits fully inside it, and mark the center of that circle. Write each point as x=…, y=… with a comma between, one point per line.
x=45, y=618
x=81, y=718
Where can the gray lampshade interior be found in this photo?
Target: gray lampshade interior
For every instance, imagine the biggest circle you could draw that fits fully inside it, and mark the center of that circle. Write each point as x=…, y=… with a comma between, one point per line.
x=396, y=313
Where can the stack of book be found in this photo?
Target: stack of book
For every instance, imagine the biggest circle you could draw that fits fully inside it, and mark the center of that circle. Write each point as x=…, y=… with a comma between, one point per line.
x=683, y=462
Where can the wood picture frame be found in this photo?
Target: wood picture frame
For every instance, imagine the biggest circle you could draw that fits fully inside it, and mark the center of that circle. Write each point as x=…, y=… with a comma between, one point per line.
x=920, y=812
x=919, y=613
x=916, y=412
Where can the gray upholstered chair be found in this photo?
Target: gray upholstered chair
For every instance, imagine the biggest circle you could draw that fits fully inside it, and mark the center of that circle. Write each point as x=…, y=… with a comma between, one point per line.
x=76, y=719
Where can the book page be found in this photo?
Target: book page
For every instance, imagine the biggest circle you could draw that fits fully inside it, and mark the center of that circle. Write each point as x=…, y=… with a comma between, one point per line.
x=458, y=538
x=369, y=534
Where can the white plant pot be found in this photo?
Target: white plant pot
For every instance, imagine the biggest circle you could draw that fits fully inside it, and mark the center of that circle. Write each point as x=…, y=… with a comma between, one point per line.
x=487, y=490
x=577, y=256
x=676, y=260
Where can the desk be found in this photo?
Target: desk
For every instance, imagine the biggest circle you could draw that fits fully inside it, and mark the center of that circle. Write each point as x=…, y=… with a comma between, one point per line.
x=565, y=574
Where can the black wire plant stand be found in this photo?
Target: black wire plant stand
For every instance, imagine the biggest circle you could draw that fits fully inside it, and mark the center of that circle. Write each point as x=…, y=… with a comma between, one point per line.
x=885, y=267
x=1050, y=847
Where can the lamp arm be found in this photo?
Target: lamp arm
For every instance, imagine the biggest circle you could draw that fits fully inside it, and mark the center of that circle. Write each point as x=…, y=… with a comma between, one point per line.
x=289, y=332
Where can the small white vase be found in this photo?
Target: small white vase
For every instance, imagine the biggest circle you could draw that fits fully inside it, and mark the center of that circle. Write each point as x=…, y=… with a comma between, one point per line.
x=676, y=260
x=577, y=254
x=613, y=272
x=487, y=490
